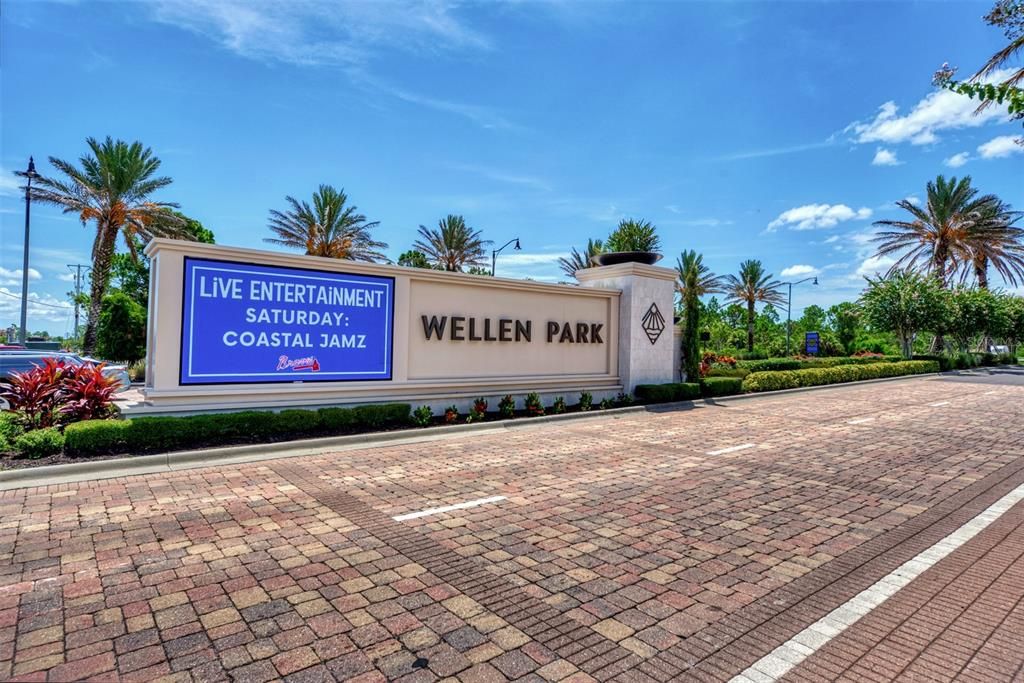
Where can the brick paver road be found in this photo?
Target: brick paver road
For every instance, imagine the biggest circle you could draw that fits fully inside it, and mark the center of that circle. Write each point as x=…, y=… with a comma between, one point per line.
x=671, y=545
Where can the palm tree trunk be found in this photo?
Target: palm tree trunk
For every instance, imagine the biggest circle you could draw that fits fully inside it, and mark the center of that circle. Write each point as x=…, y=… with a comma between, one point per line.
x=939, y=266
x=981, y=272
x=106, y=241
x=750, y=326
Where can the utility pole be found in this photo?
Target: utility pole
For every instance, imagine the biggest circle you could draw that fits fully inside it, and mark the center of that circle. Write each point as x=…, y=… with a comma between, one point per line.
x=77, y=268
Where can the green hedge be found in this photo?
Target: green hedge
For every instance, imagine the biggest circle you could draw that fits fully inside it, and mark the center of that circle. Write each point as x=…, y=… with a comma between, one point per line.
x=39, y=443
x=791, y=379
x=966, y=361
x=721, y=386
x=667, y=393
x=726, y=371
x=156, y=434
x=776, y=364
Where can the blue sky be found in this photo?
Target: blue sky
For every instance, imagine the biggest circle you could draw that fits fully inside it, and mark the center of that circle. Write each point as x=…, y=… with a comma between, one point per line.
x=777, y=131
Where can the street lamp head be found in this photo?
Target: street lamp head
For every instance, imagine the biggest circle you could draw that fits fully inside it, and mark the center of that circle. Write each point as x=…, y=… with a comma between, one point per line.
x=30, y=172
x=517, y=247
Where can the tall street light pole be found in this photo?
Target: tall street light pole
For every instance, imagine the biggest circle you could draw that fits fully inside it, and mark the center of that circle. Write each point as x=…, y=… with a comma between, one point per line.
x=789, y=305
x=28, y=174
x=494, y=254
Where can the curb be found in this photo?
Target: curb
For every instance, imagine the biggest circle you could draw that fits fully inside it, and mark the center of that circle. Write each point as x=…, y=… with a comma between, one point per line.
x=115, y=467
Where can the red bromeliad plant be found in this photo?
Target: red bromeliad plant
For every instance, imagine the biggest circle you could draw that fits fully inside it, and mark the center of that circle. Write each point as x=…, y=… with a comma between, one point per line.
x=87, y=392
x=57, y=392
x=34, y=395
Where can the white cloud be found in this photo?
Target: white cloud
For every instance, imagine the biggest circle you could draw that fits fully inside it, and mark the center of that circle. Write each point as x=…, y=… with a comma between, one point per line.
x=874, y=266
x=10, y=184
x=885, y=157
x=938, y=111
x=502, y=176
x=815, y=216
x=831, y=239
x=45, y=306
x=345, y=34
x=1002, y=146
x=799, y=270
x=542, y=267
x=957, y=160
x=321, y=32
x=10, y=276
x=66, y=277
x=705, y=222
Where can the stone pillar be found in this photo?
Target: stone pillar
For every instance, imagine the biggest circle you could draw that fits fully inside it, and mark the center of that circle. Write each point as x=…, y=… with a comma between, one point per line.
x=646, y=308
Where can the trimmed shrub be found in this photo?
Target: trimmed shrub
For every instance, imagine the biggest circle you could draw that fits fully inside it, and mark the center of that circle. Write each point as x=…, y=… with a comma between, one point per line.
x=792, y=379
x=157, y=434
x=340, y=420
x=558, y=407
x=94, y=437
x=769, y=364
x=721, y=386
x=667, y=393
x=724, y=371
x=776, y=364
x=10, y=429
x=39, y=443
x=586, y=401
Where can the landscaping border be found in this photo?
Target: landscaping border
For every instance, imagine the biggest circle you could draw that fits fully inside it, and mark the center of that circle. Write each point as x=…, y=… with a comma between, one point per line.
x=113, y=467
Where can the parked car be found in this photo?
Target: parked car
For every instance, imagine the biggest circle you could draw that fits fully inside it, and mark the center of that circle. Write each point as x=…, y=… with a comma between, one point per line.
x=23, y=360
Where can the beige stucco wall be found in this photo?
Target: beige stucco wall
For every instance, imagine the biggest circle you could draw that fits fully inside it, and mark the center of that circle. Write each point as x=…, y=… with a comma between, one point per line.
x=423, y=370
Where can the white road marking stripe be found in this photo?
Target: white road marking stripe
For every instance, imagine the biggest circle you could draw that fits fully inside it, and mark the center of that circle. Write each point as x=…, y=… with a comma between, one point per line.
x=448, y=508
x=779, y=661
x=939, y=403
x=860, y=420
x=731, y=449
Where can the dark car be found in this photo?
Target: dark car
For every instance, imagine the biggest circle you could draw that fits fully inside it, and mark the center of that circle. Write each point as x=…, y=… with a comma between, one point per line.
x=24, y=360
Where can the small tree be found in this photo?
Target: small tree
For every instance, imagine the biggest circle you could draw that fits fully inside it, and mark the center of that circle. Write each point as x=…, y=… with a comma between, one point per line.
x=969, y=314
x=121, y=334
x=414, y=259
x=1013, y=325
x=904, y=303
x=844, y=319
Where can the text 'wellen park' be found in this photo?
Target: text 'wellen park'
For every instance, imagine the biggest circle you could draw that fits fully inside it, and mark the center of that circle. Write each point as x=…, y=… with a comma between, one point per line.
x=237, y=289
x=463, y=328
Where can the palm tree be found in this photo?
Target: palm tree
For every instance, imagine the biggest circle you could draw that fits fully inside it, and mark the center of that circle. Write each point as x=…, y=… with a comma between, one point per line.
x=695, y=280
x=752, y=285
x=939, y=229
x=994, y=241
x=453, y=245
x=112, y=187
x=328, y=228
x=691, y=263
x=577, y=261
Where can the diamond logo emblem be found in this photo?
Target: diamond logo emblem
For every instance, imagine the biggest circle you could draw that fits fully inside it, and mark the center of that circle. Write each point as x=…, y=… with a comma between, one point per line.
x=653, y=323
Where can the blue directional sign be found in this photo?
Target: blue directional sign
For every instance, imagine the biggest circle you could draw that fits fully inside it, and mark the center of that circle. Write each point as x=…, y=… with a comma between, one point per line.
x=811, y=340
x=245, y=323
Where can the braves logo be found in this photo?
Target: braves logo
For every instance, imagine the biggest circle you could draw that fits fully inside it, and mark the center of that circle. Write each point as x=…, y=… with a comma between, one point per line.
x=296, y=364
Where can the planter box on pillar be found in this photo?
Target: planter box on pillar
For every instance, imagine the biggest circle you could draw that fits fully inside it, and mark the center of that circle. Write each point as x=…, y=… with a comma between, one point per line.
x=646, y=337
